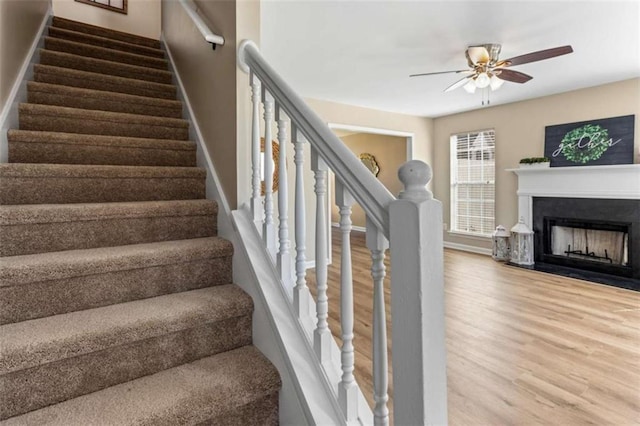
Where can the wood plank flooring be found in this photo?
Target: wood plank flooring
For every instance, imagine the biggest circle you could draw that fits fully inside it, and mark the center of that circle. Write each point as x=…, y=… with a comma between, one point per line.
x=523, y=347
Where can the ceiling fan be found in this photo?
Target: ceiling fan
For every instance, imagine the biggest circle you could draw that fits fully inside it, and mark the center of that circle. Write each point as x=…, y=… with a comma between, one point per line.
x=487, y=70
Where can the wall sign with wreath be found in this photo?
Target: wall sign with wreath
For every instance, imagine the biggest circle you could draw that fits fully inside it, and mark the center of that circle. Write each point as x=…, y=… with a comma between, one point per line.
x=591, y=143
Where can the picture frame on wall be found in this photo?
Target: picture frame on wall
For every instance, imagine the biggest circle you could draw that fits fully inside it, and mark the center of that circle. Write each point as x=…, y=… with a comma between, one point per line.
x=591, y=143
x=119, y=6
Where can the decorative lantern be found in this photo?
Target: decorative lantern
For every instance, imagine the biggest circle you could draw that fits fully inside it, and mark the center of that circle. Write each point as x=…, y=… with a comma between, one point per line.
x=501, y=247
x=522, y=244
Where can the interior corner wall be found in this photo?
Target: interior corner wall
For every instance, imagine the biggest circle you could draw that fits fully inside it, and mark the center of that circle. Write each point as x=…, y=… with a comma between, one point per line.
x=20, y=21
x=142, y=18
x=209, y=79
x=519, y=129
x=390, y=153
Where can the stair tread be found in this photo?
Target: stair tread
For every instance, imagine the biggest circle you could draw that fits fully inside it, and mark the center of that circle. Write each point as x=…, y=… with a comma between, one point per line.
x=168, y=91
x=57, y=32
x=103, y=66
x=74, y=212
x=35, y=342
x=106, y=116
x=105, y=53
x=34, y=136
x=24, y=269
x=200, y=390
x=105, y=32
x=37, y=170
x=34, y=86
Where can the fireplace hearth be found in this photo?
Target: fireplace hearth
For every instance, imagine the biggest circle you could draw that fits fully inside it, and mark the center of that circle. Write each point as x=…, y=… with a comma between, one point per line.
x=593, y=239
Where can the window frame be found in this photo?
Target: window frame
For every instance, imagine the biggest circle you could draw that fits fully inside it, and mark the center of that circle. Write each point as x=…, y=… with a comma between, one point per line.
x=122, y=10
x=455, y=182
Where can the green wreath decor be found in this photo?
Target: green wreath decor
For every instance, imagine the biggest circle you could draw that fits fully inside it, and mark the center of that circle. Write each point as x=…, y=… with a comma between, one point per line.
x=585, y=144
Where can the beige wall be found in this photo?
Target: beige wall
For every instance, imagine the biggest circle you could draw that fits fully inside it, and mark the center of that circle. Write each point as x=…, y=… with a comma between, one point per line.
x=390, y=153
x=519, y=131
x=421, y=127
x=143, y=17
x=209, y=78
x=19, y=24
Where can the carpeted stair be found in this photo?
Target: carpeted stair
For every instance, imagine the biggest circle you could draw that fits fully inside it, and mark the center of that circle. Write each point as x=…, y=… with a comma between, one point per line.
x=117, y=305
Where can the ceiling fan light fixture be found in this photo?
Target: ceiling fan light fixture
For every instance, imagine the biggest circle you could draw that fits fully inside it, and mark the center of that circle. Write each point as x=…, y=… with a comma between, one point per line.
x=470, y=87
x=495, y=82
x=482, y=80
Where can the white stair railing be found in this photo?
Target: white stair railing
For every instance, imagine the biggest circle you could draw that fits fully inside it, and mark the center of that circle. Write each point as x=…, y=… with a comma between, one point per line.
x=410, y=226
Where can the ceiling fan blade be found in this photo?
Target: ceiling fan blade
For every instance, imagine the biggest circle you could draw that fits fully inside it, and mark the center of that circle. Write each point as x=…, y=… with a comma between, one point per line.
x=537, y=56
x=458, y=83
x=478, y=54
x=441, y=72
x=513, y=76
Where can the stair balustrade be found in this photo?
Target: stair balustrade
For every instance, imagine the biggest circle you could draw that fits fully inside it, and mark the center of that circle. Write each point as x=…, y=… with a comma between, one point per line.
x=410, y=226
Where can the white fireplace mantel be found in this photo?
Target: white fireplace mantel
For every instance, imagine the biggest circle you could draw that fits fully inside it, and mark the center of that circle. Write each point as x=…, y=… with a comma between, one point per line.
x=612, y=182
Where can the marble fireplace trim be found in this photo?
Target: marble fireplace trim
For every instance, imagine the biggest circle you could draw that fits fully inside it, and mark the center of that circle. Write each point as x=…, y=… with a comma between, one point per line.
x=606, y=182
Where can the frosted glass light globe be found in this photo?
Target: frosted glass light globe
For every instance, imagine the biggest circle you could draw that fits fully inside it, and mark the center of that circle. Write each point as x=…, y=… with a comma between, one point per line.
x=482, y=80
x=470, y=87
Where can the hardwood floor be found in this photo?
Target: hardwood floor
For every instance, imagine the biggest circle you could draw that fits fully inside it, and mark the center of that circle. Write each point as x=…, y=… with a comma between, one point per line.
x=523, y=347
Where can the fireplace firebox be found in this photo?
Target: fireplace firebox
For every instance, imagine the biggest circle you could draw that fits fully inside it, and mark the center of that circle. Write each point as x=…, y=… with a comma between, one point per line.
x=592, y=239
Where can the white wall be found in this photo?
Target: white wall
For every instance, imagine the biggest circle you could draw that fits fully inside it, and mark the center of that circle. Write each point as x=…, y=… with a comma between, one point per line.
x=143, y=17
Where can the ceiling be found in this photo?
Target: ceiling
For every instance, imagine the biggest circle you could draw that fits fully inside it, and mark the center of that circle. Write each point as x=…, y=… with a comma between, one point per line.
x=362, y=52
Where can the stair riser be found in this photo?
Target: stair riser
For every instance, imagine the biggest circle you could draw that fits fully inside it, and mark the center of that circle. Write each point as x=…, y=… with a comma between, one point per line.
x=60, y=190
x=34, y=388
x=48, y=237
x=60, y=59
x=42, y=299
x=88, y=51
x=102, y=104
x=51, y=153
x=104, y=42
x=104, y=32
x=99, y=127
x=130, y=86
x=263, y=411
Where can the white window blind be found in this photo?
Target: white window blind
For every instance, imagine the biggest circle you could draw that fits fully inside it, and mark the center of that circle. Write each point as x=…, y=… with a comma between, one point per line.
x=473, y=182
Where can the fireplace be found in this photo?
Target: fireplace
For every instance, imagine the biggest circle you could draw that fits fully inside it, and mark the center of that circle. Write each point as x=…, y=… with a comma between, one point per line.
x=592, y=239
x=570, y=208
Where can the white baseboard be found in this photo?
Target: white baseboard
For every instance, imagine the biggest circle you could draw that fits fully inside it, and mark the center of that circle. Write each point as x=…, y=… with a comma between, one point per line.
x=18, y=93
x=468, y=248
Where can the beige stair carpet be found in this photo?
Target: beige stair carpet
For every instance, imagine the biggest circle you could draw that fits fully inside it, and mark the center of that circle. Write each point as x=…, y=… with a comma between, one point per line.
x=117, y=304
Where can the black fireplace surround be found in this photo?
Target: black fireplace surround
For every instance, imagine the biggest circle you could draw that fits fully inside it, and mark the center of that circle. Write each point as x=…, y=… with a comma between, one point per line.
x=618, y=215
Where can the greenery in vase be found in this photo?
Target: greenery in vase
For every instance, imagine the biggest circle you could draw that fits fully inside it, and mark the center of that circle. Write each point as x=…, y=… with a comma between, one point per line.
x=534, y=160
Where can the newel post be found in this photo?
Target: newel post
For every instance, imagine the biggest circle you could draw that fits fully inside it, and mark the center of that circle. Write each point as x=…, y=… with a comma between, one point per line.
x=417, y=301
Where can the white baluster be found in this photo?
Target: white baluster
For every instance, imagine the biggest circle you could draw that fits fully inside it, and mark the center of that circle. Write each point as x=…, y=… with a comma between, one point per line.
x=301, y=291
x=417, y=301
x=284, y=255
x=321, y=335
x=268, y=228
x=256, y=198
x=377, y=244
x=347, y=389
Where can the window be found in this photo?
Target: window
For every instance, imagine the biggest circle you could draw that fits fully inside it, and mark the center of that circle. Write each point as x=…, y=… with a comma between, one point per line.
x=115, y=5
x=473, y=182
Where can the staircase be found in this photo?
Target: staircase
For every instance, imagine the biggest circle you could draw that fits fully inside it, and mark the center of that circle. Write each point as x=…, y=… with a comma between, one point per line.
x=116, y=301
